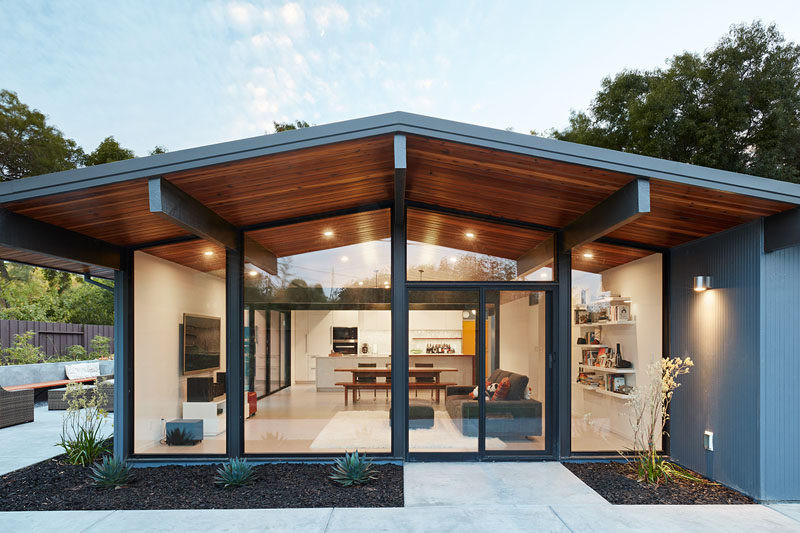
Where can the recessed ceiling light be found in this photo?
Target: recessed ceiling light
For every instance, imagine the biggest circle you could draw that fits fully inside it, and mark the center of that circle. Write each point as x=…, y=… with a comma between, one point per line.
x=345, y=259
x=328, y=233
x=253, y=273
x=469, y=235
x=588, y=255
x=208, y=253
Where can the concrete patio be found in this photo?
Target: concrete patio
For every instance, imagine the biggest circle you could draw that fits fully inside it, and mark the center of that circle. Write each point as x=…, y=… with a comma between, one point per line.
x=446, y=497
x=26, y=444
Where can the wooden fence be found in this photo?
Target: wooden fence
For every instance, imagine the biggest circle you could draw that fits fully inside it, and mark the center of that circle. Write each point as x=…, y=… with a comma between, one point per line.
x=54, y=337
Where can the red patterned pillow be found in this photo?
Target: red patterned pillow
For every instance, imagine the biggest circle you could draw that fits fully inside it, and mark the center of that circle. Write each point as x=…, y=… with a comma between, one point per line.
x=502, y=390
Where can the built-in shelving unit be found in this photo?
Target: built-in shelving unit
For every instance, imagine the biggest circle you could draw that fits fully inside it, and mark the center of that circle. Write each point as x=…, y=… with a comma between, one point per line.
x=603, y=375
x=604, y=392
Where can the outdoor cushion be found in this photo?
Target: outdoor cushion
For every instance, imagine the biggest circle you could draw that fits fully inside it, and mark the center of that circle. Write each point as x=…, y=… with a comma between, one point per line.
x=82, y=370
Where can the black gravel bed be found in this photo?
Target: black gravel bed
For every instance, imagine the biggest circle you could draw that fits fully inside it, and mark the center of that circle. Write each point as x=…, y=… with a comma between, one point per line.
x=53, y=485
x=617, y=483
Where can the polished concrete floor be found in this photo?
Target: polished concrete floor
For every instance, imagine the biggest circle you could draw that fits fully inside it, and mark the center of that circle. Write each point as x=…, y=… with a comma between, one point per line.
x=289, y=421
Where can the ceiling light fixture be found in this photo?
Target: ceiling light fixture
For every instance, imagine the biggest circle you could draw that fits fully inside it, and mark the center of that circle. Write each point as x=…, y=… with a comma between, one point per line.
x=360, y=282
x=701, y=283
x=345, y=259
x=328, y=233
x=208, y=253
x=253, y=273
x=469, y=235
x=453, y=259
x=544, y=275
x=588, y=255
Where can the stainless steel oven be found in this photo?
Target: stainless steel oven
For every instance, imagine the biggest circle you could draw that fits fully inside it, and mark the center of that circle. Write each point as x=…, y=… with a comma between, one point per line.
x=344, y=340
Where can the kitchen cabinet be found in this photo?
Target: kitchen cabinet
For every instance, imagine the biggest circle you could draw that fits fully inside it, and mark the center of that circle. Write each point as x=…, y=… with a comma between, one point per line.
x=345, y=319
x=375, y=320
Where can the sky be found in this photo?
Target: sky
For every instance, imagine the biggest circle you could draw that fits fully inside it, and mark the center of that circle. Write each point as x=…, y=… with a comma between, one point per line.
x=186, y=73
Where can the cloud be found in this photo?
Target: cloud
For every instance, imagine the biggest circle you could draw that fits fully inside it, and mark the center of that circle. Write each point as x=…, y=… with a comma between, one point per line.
x=293, y=16
x=330, y=15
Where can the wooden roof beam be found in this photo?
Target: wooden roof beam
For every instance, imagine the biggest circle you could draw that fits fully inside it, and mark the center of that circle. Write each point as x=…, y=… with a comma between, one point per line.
x=23, y=233
x=176, y=206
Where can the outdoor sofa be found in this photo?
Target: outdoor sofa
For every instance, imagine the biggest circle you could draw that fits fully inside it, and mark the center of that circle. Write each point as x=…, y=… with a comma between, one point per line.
x=16, y=407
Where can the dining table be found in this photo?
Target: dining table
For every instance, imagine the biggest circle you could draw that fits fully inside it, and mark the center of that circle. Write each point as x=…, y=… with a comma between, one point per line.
x=356, y=383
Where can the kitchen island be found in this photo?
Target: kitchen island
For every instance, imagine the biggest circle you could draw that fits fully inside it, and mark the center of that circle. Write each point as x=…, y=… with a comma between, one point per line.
x=326, y=377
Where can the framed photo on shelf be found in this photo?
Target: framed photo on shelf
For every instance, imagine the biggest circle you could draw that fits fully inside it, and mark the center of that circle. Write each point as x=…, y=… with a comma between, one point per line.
x=581, y=316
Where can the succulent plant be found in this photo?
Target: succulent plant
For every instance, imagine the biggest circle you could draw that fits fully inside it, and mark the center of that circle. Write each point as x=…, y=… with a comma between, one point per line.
x=111, y=472
x=179, y=437
x=352, y=469
x=235, y=473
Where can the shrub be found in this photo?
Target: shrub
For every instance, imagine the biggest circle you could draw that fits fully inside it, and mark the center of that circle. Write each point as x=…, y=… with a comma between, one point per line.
x=648, y=410
x=352, y=469
x=111, y=472
x=76, y=352
x=22, y=352
x=235, y=473
x=99, y=347
x=82, y=426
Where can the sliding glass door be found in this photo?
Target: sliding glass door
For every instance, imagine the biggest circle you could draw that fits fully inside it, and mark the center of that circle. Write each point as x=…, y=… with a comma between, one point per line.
x=479, y=372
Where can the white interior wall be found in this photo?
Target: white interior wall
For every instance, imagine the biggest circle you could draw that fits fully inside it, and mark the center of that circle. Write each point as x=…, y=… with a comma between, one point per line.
x=162, y=292
x=641, y=281
x=522, y=342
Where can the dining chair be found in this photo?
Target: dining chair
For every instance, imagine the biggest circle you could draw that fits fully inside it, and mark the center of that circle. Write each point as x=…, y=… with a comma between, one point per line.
x=367, y=379
x=424, y=379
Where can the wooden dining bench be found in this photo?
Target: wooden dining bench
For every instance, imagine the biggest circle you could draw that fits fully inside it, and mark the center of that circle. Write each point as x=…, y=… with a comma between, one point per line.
x=354, y=387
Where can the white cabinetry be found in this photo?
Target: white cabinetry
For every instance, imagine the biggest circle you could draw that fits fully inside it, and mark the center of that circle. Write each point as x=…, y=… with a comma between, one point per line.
x=345, y=319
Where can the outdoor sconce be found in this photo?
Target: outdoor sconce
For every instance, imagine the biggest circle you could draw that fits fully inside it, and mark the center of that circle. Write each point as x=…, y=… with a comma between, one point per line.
x=701, y=283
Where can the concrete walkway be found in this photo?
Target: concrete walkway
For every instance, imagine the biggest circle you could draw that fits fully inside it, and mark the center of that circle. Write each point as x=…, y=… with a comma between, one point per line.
x=445, y=497
x=26, y=444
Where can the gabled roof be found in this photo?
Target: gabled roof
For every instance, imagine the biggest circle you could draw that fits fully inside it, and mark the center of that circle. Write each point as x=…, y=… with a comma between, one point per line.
x=401, y=122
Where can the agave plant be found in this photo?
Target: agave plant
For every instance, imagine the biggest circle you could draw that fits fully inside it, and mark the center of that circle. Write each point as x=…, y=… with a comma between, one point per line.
x=352, y=469
x=235, y=473
x=179, y=437
x=111, y=472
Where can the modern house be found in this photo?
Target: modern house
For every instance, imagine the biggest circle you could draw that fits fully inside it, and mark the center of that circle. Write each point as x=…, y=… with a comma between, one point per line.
x=353, y=285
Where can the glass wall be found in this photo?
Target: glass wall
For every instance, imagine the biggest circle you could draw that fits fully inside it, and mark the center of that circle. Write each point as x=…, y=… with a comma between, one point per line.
x=322, y=341
x=450, y=248
x=179, y=357
x=616, y=340
x=442, y=381
x=516, y=367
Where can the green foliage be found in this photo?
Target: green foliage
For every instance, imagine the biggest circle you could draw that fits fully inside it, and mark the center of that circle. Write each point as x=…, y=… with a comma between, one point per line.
x=76, y=352
x=235, y=473
x=736, y=107
x=352, y=469
x=82, y=435
x=111, y=472
x=179, y=437
x=159, y=149
x=99, y=347
x=287, y=126
x=28, y=145
x=107, y=151
x=22, y=352
x=31, y=293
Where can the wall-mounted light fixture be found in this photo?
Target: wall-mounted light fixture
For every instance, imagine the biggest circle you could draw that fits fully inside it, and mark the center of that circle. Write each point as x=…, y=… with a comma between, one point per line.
x=701, y=283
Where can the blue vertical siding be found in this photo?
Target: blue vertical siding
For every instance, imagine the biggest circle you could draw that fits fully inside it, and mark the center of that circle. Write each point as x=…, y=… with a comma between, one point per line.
x=781, y=368
x=720, y=330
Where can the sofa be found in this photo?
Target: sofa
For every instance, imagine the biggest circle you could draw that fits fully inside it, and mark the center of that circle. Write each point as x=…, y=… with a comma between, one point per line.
x=512, y=418
x=16, y=407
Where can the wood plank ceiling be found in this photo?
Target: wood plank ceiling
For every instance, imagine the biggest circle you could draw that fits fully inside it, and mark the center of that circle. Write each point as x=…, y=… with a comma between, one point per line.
x=359, y=173
x=57, y=263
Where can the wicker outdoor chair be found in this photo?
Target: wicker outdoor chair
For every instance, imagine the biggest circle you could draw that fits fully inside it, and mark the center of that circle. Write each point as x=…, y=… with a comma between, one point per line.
x=15, y=407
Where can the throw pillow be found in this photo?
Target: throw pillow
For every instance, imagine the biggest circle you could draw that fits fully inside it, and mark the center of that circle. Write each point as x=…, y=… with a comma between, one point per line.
x=502, y=390
x=82, y=370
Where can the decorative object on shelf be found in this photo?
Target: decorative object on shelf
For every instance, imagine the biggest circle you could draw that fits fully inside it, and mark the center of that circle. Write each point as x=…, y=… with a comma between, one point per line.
x=581, y=340
x=581, y=316
x=364, y=348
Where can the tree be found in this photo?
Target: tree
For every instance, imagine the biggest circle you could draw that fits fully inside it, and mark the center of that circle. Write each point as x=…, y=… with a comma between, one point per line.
x=286, y=126
x=159, y=149
x=736, y=107
x=28, y=145
x=107, y=151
